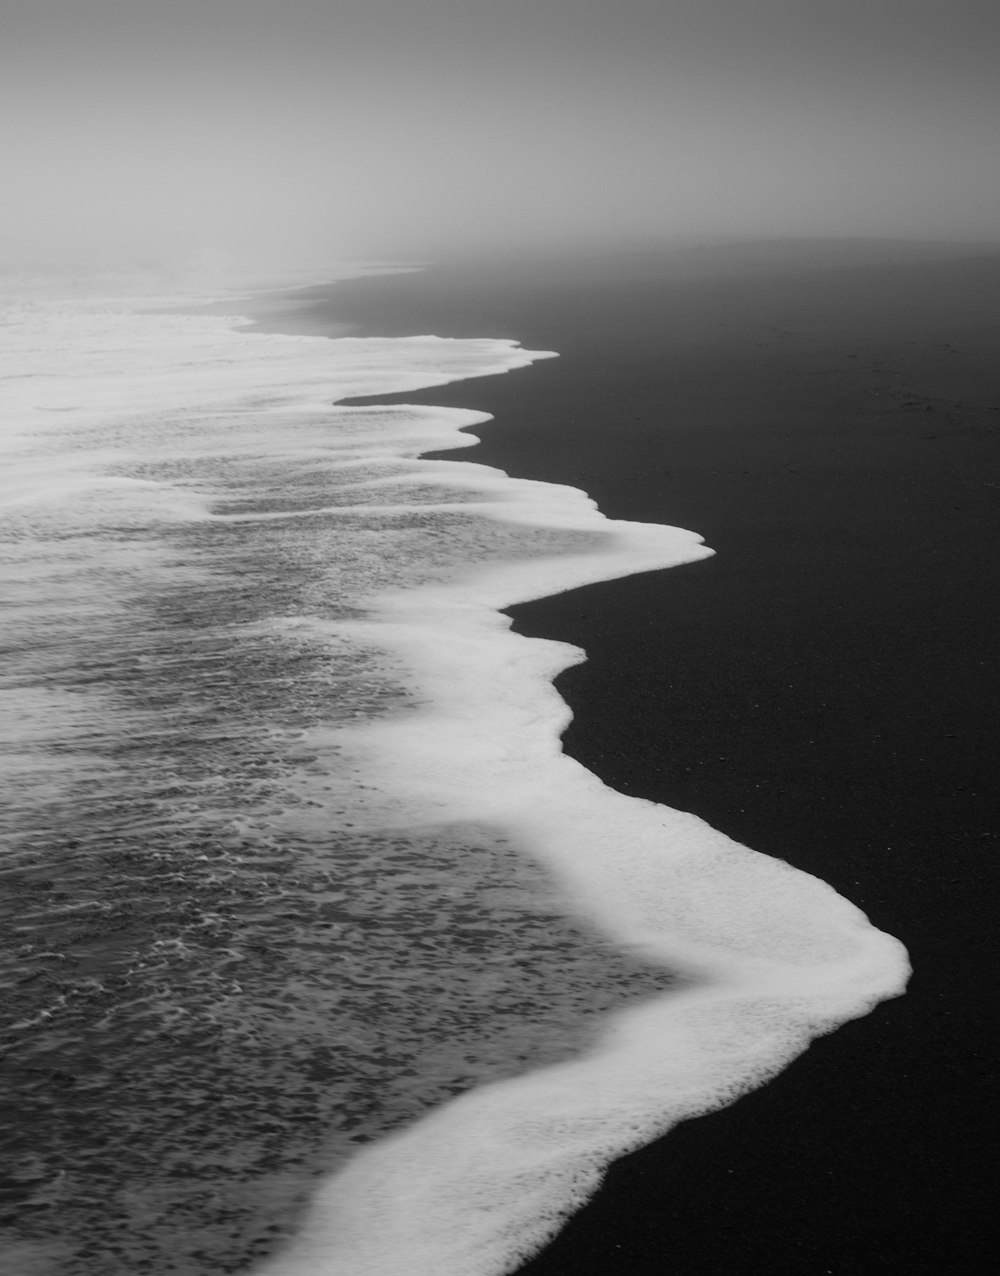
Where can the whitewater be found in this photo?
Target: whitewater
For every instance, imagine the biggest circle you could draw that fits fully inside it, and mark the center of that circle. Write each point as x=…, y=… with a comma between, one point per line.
x=322, y=957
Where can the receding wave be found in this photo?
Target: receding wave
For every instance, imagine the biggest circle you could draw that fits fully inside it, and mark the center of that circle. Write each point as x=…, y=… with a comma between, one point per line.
x=315, y=939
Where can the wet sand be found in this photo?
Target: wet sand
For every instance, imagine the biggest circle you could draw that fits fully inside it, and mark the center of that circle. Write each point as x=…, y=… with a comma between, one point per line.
x=823, y=690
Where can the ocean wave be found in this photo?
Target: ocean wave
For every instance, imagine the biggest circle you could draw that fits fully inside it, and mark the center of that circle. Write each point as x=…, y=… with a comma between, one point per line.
x=298, y=863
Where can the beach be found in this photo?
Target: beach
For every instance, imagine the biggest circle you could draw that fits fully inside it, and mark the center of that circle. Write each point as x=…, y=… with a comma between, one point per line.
x=320, y=951
x=498, y=637
x=825, y=415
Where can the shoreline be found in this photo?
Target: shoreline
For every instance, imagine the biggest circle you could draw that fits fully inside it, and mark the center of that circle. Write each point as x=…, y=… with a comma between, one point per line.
x=826, y=431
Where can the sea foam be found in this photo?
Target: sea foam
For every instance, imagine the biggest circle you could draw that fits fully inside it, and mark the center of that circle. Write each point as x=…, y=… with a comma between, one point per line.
x=184, y=504
x=777, y=957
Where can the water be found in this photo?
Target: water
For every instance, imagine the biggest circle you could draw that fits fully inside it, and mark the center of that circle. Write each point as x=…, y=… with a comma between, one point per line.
x=293, y=855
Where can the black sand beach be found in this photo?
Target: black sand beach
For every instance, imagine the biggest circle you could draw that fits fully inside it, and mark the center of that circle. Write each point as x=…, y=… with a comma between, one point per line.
x=826, y=416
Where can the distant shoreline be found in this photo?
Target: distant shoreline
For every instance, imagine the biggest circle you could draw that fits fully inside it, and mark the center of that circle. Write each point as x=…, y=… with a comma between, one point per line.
x=819, y=691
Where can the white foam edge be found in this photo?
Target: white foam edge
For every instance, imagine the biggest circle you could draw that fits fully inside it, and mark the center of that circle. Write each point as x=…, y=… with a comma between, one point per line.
x=779, y=957
x=482, y=1183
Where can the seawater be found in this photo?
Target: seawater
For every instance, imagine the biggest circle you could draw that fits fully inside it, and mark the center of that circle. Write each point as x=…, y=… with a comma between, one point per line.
x=315, y=942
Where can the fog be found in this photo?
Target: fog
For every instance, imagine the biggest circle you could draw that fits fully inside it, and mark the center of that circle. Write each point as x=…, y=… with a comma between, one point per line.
x=134, y=131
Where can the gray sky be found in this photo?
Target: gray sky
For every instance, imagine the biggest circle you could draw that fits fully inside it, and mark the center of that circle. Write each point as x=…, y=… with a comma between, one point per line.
x=402, y=127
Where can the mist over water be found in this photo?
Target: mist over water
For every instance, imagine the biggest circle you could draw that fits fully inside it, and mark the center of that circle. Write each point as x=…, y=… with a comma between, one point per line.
x=296, y=857
x=137, y=132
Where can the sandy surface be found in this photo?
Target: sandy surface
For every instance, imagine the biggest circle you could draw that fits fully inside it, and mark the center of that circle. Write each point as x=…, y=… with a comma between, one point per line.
x=823, y=690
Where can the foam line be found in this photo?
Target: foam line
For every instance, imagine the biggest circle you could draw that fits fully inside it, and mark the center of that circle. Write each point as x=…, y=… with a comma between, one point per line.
x=476, y=1187
x=778, y=956
x=159, y=454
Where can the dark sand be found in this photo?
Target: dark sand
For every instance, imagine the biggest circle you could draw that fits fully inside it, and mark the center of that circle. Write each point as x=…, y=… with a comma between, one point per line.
x=823, y=690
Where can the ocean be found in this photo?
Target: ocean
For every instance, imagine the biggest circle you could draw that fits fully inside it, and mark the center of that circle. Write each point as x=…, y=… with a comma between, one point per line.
x=320, y=954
